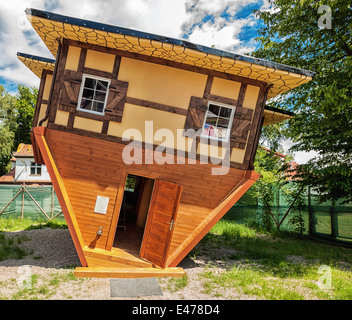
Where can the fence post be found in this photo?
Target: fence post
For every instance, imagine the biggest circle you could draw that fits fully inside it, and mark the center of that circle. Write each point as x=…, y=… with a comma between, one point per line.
x=311, y=214
x=22, y=202
x=334, y=222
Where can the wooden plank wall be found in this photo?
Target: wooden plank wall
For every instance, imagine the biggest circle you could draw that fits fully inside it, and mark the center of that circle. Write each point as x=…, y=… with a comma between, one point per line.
x=91, y=167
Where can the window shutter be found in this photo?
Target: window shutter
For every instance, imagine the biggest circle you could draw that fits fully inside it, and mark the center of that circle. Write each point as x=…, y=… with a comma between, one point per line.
x=241, y=125
x=195, y=114
x=70, y=90
x=116, y=100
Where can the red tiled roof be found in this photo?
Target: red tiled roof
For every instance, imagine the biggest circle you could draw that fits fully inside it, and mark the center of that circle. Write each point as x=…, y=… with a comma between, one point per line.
x=24, y=150
x=9, y=177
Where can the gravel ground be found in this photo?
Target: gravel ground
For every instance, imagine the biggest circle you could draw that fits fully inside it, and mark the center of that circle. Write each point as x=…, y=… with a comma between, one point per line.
x=51, y=259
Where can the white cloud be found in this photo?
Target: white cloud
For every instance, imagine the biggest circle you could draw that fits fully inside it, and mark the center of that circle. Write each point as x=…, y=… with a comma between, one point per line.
x=224, y=38
x=214, y=23
x=300, y=157
x=163, y=17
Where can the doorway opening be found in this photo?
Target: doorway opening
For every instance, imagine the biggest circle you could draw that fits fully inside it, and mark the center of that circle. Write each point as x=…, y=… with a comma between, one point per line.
x=133, y=213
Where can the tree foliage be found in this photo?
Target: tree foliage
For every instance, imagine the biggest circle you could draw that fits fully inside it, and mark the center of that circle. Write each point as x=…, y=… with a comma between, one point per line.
x=323, y=106
x=16, y=115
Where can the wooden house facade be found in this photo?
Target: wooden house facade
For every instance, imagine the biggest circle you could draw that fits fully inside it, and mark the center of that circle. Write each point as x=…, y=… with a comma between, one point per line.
x=187, y=117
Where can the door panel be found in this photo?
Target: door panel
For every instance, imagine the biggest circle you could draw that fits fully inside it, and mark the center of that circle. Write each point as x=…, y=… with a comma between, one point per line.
x=159, y=227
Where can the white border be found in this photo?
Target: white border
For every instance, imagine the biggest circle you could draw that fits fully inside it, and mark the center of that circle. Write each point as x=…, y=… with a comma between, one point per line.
x=85, y=75
x=230, y=121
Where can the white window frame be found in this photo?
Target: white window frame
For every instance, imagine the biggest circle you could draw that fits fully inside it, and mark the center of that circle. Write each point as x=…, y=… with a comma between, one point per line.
x=81, y=93
x=36, y=166
x=230, y=121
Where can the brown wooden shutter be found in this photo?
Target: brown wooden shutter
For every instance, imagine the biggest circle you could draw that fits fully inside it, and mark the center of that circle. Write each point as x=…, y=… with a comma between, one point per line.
x=241, y=125
x=195, y=114
x=70, y=90
x=116, y=100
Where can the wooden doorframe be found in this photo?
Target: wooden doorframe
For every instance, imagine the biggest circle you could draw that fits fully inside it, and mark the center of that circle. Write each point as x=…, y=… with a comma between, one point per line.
x=119, y=200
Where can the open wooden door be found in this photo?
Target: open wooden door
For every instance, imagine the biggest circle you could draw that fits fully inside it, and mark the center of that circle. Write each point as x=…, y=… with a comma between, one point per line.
x=160, y=222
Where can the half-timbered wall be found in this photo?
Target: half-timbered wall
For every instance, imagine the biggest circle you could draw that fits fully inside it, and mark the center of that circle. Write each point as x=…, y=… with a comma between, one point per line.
x=43, y=97
x=171, y=95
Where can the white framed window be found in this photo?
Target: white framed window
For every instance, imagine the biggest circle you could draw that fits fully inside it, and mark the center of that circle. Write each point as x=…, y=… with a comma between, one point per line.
x=36, y=169
x=93, y=94
x=218, y=121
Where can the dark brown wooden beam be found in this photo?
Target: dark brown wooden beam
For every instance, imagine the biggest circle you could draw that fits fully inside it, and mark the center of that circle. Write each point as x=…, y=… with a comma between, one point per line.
x=175, y=152
x=154, y=105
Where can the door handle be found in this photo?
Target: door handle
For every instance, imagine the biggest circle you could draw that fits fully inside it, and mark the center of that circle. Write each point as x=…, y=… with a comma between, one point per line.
x=171, y=223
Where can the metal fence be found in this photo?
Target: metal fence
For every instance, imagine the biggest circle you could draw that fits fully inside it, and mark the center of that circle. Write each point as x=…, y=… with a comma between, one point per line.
x=326, y=220
x=26, y=201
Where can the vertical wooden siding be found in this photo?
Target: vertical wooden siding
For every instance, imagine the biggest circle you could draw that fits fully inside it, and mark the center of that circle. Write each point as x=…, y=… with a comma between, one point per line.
x=91, y=167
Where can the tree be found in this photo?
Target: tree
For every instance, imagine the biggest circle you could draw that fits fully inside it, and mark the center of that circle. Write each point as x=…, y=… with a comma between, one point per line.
x=16, y=114
x=25, y=106
x=298, y=33
x=7, y=128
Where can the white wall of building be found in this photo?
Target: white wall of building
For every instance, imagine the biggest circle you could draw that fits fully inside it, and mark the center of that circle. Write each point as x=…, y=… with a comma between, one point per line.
x=23, y=171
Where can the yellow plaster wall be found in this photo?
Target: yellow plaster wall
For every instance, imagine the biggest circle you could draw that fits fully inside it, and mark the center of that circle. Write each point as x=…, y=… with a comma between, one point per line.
x=88, y=124
x=100, y=61
x=161, y=84
x=237, y=155
x=251, y=97
x=42, y=115
x=61, y=117
x=225, y=88
x=73, y=58
x=134, y=117
x=47, y=86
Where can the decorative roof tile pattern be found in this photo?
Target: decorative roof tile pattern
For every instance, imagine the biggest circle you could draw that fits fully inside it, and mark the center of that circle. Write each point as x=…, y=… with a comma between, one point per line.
x=50, y=27
x=36, y=64
x=273, y=115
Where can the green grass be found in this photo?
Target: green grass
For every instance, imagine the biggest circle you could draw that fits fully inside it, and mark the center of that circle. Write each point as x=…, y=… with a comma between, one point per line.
x=9, y=248
x=16, y=224
x=44, y=287
x=176, y=284
x=276, y=266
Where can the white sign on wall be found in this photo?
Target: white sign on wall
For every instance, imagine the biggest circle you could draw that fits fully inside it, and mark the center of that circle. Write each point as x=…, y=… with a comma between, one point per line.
x=101, y=205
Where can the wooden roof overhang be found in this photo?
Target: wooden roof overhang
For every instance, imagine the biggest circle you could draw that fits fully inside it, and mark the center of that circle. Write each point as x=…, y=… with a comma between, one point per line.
x=51, y=26
x=273, y=115
x=36, y=64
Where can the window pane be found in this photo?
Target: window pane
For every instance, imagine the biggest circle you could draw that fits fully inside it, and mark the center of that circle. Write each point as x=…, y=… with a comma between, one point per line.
x=211, y=121
x=88, y=94
x=209, y=130
x=100, y=96
x=86, y=104
x=39, y=170
x=225, y=112
x=98, y=106
x=213, y=110
x=102, y=85
x=32, y=170
x=90, y=83
x=223, y=123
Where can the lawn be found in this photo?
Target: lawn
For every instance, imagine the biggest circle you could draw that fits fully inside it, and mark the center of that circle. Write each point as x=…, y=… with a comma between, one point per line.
x=233, y=262
x=275, y=266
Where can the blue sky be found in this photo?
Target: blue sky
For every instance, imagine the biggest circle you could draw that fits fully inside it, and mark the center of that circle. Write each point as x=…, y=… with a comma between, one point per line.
x=228, y=25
